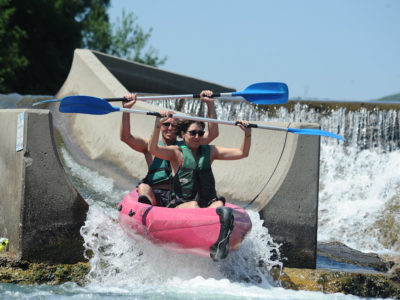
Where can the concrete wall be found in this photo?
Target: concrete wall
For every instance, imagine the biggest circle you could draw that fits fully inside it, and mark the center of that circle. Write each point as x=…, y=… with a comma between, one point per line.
x=143, y=78
x=291, y=215
x=283, y=168
x=40, y=211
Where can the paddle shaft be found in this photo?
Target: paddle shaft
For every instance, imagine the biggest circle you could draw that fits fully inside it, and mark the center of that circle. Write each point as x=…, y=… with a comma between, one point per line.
x=96, y=106
x=264, y=93
x=307, y=131
x=169, y=97
x=201, y=119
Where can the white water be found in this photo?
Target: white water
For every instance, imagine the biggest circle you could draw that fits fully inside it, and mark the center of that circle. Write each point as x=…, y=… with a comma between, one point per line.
x=116, y=256
x=122, y=267
x=359, y=198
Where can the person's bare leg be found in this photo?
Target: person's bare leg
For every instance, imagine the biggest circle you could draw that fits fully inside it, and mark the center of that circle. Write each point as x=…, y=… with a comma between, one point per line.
x=190, y=204
x=216, y=204
x=145, y=190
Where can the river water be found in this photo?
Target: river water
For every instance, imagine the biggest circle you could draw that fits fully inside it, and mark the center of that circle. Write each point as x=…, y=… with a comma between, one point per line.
x=359, y=204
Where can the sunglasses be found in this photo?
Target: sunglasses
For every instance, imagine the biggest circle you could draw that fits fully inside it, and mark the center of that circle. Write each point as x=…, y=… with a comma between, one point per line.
x=194, y=132
x=167, y=124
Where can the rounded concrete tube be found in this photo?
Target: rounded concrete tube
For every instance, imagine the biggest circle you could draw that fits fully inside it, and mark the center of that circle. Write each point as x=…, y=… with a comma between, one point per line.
x=282, y=168
x=41, y=213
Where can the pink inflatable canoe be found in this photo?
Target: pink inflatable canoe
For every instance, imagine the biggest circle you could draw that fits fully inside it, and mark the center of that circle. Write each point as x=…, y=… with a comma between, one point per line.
x=202, y=231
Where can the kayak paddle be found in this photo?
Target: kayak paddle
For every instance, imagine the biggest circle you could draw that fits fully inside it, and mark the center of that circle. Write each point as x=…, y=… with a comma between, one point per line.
x=257, y=93
x=96, y=106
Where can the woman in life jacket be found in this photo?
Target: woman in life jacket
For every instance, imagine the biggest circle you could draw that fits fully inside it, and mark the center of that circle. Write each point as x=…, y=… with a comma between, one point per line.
x=193, y=183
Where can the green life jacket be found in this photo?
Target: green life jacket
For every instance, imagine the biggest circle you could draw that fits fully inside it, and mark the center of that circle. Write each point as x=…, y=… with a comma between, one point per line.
x=194, y=177
x=159, y=169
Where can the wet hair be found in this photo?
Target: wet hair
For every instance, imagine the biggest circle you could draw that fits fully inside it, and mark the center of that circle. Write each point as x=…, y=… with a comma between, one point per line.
x=183, y=125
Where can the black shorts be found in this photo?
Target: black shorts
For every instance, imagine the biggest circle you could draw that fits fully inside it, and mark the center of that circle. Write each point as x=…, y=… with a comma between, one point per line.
x=201, y=202
x=206, y=203
x=163, y=197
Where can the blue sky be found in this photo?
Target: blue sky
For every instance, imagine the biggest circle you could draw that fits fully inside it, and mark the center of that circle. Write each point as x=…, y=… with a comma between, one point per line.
x=340, y=50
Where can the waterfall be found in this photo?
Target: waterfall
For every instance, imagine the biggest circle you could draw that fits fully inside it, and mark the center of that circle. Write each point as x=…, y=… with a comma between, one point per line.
x=364, y=126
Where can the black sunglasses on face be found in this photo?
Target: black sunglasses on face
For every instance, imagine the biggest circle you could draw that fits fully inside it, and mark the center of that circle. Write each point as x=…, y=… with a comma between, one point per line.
x=194, y=132
x=167, y=124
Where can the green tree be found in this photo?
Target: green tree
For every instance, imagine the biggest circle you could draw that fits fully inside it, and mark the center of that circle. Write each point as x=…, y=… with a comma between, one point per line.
x=129, y=41
x=38, y=38
x=48, y=31
x=11, y=58
x=96, y=32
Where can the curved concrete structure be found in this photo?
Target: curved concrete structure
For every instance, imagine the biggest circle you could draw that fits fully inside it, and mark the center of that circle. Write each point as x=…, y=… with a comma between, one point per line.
x=282, y=168
x=41, y=213
x=143, y=78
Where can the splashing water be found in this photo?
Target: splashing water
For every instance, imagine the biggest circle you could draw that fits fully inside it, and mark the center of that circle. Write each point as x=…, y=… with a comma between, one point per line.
x=125, y=268
x=363, y=188
x=95, y=189
x=114, y=257
x=117, y=258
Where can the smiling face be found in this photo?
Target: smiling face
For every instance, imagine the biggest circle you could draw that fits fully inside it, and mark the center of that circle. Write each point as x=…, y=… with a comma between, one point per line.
x=193, y=135
x=168, y=131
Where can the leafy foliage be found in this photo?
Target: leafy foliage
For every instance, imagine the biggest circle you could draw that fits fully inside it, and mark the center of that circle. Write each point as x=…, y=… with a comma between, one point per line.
x=38, y=39
x=49, y=32
x=11, y=58
x=129, y=41
x=96, y=33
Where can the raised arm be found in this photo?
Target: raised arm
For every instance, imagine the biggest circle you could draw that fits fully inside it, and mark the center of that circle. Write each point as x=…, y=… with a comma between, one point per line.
x=136, y=143
x=223, y=153
x=213, y=131
x=163, y=152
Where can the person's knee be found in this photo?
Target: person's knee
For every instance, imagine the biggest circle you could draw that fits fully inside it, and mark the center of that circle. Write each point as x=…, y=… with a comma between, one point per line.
x=146, y=190
x=217, y=203
x=190, y=204
x=143, y=188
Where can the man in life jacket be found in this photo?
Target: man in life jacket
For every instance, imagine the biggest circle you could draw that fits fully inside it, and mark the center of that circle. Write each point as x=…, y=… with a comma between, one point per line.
x=155, y=188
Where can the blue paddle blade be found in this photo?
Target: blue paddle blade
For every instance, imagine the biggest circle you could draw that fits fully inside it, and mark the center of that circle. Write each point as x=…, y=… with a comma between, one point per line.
x=46, y=101
x=265, y=93
x=311, y=131
x=86, y=105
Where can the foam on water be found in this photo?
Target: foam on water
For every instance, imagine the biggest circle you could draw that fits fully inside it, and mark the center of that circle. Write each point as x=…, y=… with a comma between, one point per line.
x=125, y=268
x=359, y=198
x=196, y=288
x=95, y=189
x=115, y=257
